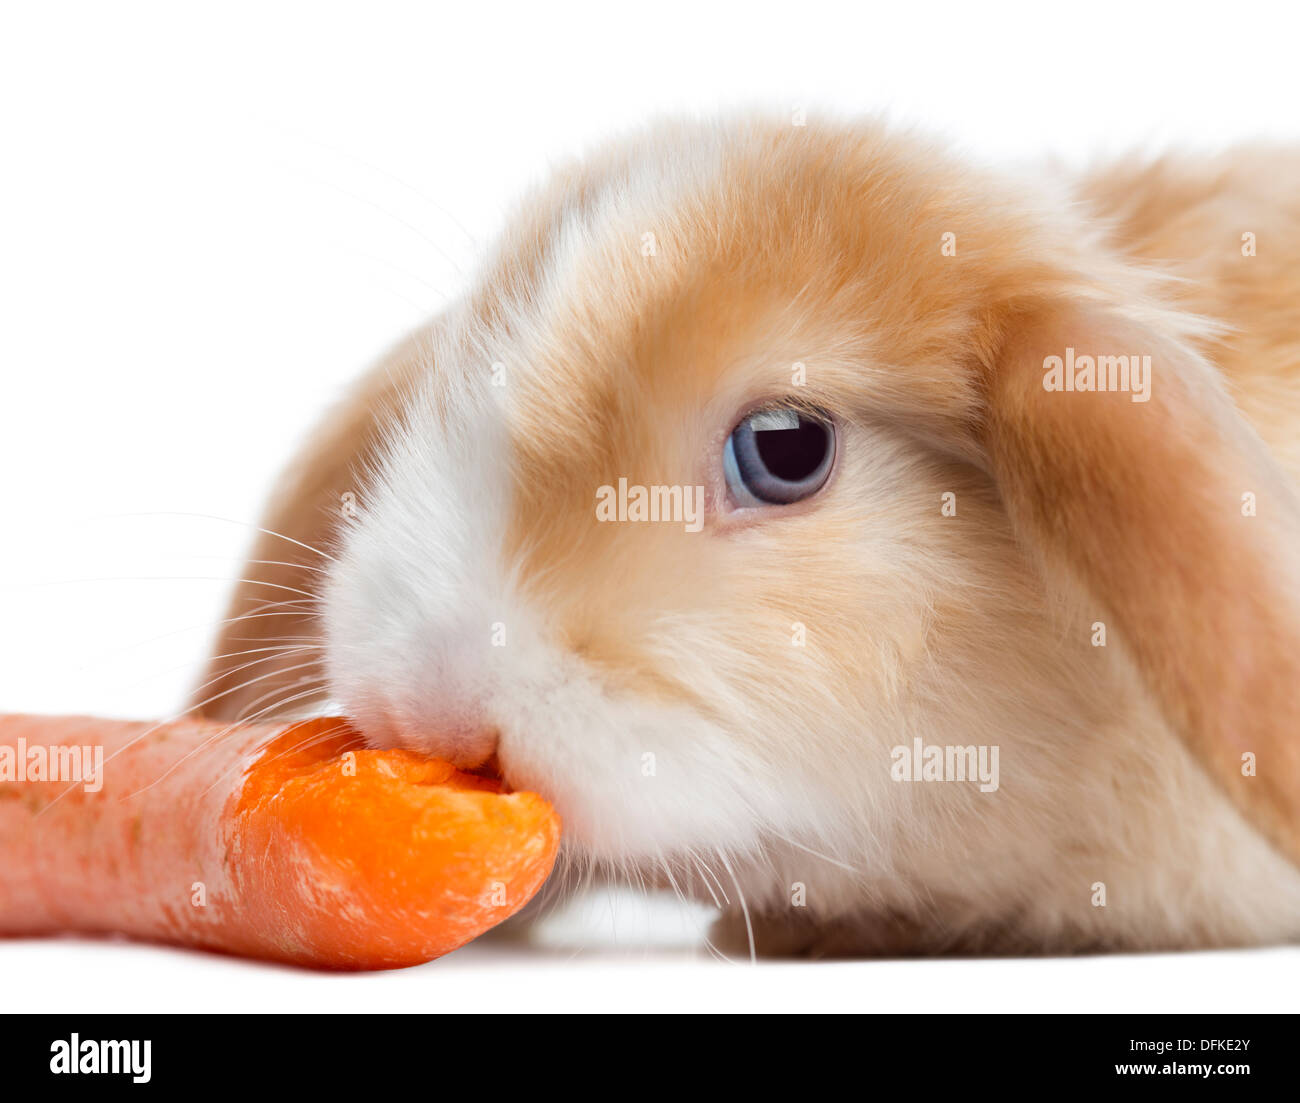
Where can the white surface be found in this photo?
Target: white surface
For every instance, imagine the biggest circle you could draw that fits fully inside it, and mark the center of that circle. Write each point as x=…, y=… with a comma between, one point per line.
x=59, y=976
x=211, y=221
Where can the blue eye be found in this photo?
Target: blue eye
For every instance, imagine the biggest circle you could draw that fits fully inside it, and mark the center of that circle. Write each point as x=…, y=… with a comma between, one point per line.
x=777, y=456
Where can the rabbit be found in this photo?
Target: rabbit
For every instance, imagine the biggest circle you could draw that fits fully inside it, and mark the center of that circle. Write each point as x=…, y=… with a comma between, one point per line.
x=845, y=337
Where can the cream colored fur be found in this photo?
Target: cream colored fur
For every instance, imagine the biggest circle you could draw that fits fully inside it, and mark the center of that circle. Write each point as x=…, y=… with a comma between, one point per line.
x=823, y=245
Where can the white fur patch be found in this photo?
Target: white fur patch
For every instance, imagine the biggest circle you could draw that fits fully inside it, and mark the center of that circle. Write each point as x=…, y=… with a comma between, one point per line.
x=431, y=645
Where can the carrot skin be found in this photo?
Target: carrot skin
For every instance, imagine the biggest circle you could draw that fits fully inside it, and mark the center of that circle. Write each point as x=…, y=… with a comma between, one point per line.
x=292, y=843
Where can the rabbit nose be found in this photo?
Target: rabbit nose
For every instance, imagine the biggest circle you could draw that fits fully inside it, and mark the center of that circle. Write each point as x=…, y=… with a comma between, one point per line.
x=490, y=769
x=467, y=746
x=478, y=753
x=454, y=733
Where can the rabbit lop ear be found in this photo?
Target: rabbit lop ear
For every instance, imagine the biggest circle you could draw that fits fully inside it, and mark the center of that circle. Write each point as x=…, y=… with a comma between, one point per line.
x=1140, y=479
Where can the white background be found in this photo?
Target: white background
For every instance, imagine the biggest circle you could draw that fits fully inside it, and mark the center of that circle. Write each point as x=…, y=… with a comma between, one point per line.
x=209, y=223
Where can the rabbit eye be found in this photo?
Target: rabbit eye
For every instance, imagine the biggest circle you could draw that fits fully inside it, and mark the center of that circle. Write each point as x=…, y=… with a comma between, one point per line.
x=777, y=456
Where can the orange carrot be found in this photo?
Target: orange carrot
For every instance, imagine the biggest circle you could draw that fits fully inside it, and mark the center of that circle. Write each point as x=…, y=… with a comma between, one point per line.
x=295, y=843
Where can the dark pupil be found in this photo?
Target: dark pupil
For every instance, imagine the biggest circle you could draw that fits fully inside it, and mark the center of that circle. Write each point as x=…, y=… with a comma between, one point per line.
x=792, y=454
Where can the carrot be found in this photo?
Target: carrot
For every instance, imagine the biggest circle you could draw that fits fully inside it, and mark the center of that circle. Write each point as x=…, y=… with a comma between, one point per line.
x=294, y=843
